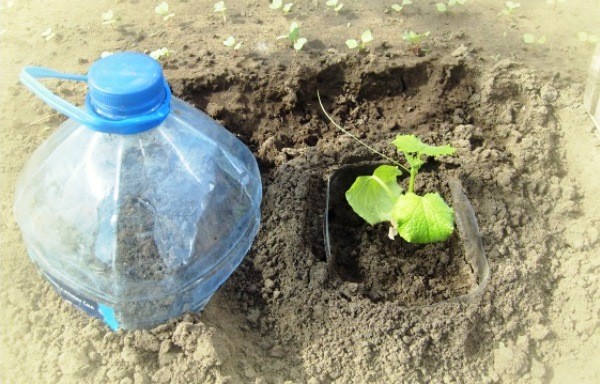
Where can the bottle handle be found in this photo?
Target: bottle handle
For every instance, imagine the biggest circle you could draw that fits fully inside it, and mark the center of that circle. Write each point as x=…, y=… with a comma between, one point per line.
x=29, y=76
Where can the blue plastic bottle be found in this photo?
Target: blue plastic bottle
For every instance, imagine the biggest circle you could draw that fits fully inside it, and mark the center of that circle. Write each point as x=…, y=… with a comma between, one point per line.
x=139, y=206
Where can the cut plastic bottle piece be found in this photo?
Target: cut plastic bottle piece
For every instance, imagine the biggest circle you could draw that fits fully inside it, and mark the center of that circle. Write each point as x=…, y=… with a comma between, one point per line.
x=591, y=96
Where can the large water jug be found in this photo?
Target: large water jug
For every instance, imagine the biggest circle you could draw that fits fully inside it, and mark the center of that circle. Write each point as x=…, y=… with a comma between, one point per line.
x=139, y=206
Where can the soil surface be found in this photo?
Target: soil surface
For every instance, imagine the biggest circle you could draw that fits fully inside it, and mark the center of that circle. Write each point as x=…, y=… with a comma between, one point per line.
x=527, y=158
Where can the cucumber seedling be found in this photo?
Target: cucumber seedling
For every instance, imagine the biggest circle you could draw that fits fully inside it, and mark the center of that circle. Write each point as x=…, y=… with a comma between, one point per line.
x=285, y=8
x=221, y=8
x=446, y=8
x=230, y=43
x=585, y=37
x=108, y=17
x=294, y=37
x=48, y=34
x=163, y=10
x=378, y=198
x=365, y=38
x=529, y=38
x=510, y=7
x=160, y=54
x=335, y=5
x=416, y=41
x=399, y=7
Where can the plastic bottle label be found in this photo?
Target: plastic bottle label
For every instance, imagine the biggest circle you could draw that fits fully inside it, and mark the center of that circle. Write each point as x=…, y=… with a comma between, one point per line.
x=92, y=308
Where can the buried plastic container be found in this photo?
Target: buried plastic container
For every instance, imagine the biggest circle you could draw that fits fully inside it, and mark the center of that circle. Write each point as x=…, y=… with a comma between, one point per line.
x=591, y=96
x=139, y=206
x=418, y=284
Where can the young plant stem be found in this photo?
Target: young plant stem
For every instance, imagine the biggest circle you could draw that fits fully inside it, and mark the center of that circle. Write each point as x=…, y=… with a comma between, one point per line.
x=411, y=181
x=403, y=168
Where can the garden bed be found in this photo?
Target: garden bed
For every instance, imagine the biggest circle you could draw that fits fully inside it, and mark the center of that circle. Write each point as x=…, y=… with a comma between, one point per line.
x=511, y=109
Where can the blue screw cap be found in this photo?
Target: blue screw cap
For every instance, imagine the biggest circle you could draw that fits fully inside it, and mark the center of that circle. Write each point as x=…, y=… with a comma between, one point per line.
x=125, y=85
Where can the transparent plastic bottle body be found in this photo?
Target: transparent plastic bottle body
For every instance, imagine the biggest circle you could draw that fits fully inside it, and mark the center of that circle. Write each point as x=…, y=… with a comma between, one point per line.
x=146, y=226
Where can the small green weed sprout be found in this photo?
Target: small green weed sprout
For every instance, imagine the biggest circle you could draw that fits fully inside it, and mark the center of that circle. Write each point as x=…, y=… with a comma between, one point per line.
x=529, y=38
x=161, y=54
x=399, y=7
x=335, y=5
x=585, y=37
x=108, y=17
x=379, y=198
x=510, y=7
x=446, y=8
x=163, y=10
x=285, y=8
x=416, y=41
x=365, y=38
x=221, y=8
x=230, y=43
x=294, y=37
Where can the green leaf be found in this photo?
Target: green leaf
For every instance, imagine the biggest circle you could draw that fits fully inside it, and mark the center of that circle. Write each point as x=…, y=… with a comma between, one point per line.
x=220, y=6
x=287, y=8
x=423, y=219
x=276, y=4
x=352, y=44
x=229, y=42
x=397, y=7
x=441, y=7
x=412, y=144
x=107, y=17
x=373, y=197
x=410, y=36
x=294, y=32
x=299, y=43
x=528, y=38
x=366, y=37
x=162, y=8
